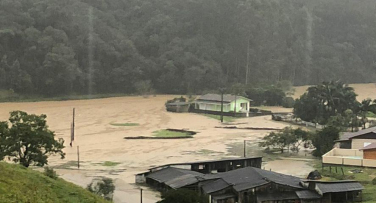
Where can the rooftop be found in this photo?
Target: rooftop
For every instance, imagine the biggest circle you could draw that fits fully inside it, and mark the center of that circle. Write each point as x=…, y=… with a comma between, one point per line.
x=228, y=98
x=351, y=135
x=370, y=146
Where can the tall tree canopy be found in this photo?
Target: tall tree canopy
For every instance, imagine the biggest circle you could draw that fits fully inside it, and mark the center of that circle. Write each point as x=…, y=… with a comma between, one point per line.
x=322, y=101
x=52, y=47
x=28, y=140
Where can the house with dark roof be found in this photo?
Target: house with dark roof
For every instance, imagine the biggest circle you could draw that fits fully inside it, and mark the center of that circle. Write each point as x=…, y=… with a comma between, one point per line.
x=357, y=140
x=232, y=104
x=254, y=185
x=355, y=149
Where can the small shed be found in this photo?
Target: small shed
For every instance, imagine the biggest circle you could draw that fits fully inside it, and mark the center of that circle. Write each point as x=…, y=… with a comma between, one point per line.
x=179, y=107
x=369, y=151
x=232, y=104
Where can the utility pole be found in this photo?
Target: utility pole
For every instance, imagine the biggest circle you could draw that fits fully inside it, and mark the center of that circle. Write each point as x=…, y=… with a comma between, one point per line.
x=245, y=146
x=78, y=157
x=72, y=127
x=141, y=194
x=247, y=65
x=222, y=105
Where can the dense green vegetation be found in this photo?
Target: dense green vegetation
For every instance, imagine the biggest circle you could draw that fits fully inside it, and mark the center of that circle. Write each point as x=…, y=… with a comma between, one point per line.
x=52, y=48
x=26, y=139
x=287, y=138
x=334, y=103
x=20, y=184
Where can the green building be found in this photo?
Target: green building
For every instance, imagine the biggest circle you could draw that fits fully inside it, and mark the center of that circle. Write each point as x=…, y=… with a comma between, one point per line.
x=211, y=103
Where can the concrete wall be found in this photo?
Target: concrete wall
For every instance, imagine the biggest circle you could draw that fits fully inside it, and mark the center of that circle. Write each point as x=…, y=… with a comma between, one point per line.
x=332, y=160
x=347, y=152
x=343, y=157
x=369, y=163
x=359, y=143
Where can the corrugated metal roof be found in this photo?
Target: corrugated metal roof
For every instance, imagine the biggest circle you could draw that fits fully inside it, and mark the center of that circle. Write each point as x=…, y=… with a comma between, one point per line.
x=182, y=181
x=168, y=174
x=228, y=98
x=307, y=194
x=215, y=186
x=223, y=197
x=207, y=161
x=275, y=196
x=343, y=186
x=249, y=177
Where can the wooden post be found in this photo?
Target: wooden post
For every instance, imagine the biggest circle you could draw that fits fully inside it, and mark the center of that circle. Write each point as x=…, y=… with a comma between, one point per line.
x=78, y=157
x=221, y=106
x=336, y=170
x=343, y=173
x=245, y=146
x=141, y=194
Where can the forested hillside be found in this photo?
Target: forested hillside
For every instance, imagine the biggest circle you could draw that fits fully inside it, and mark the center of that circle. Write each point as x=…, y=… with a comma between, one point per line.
x=55, y=47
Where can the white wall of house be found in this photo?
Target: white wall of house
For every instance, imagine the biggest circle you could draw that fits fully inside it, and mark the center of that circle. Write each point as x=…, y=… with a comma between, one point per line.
x=361, y=143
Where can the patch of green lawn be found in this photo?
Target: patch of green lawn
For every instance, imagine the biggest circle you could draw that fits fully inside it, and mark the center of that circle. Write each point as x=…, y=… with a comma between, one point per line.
x=226, y=119
x=110, y=163
x=370, y=115
x=169, y=133
x=365, y=178
x=125, y=124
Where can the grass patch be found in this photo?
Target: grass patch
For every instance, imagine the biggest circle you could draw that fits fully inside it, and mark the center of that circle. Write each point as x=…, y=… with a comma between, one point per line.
x=110, y=163
x=364, y=178
x=226, y=119
x=125, y=124
x=20, y=184
x=169, y=133
x=370, y=115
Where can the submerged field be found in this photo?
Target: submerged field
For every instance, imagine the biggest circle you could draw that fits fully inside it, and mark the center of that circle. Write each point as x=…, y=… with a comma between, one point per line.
x=102, y=124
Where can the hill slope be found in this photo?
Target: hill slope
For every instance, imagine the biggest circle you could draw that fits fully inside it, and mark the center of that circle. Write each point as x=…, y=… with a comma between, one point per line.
x=18, y=184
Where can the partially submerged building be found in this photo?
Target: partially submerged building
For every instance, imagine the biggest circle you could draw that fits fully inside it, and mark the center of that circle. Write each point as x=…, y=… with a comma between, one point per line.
x=206, y=167
x=254, y=185
x=354, y=149
x=232, y=105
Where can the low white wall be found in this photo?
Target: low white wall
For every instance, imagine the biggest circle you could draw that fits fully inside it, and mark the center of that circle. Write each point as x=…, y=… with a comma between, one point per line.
x=347, y=152
x=369, y=163
x=332, y=160
x=352, y=162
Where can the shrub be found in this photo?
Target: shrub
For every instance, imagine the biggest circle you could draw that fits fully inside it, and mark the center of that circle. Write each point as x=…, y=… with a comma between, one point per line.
x=104, y=187
x=50, y=172
x=374, y=181
x=288, y=102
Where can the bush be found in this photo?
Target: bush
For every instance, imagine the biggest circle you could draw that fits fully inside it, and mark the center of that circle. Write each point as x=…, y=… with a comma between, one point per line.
x=374, y=181
x=50, y=172
x=104, y=188
x=288, y=102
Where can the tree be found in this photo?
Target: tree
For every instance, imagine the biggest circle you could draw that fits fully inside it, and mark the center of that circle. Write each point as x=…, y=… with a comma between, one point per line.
x=28, y=140
x=104, y=188
x=182, y=196
x=287, y=138
x=324, y=139
x=322, y=101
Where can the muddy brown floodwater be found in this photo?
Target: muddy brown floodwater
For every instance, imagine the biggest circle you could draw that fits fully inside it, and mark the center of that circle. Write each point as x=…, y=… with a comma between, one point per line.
x=101, y=142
